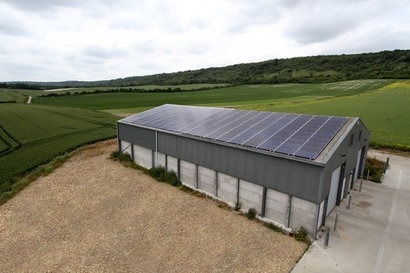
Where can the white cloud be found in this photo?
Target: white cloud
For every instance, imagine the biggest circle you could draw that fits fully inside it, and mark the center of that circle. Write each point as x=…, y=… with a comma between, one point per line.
x=49, y=40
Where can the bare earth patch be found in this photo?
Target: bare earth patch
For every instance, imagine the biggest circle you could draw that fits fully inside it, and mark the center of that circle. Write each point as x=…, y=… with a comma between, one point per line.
x=94, y=215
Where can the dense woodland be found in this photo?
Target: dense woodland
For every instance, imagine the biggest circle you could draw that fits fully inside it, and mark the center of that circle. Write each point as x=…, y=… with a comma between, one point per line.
x=317, y=69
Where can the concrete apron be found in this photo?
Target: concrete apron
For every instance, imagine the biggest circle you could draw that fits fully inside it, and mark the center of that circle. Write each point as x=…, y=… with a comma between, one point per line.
x=371, y=236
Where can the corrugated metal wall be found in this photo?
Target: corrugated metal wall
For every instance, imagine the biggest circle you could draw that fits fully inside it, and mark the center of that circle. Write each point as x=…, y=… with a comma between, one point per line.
x=345, y=153
x=288, y=176
x=136, y=135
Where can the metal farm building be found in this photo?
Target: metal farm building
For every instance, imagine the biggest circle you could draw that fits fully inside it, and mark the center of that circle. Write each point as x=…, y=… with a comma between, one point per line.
x=292, y=168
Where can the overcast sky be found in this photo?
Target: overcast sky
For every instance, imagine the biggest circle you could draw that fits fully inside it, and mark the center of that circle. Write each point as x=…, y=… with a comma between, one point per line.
x=54, y=40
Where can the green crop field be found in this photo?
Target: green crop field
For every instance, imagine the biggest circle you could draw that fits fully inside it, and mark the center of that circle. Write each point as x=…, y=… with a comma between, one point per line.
x=31, y=135
x=17, y=95
x=382, y=104
x=239, y=96
x=385, y=111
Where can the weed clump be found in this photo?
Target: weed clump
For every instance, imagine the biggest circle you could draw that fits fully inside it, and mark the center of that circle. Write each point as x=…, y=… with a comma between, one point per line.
x=302, y=235
x=122, y=157
x=251, y=214
x=274, y=227
x=162, y=175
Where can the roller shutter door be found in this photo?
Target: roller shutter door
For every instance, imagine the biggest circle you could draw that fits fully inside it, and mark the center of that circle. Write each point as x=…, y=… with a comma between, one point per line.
x=357, y=171
x=320, y=215
x=334, y=185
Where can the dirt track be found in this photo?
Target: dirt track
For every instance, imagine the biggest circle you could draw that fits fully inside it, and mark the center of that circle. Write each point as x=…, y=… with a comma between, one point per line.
x=94, y=215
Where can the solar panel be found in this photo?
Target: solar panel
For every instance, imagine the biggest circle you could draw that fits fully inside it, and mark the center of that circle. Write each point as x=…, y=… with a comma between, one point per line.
x=211, y=123
x=303, y=136
x=229, y=125
x=275, y=127
x=235, y=131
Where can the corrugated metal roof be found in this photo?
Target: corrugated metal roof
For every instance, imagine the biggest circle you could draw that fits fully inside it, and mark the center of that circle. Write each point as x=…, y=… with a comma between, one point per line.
x=293, y=135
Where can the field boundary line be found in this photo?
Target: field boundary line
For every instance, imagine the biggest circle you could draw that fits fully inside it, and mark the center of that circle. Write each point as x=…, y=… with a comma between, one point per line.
x=11, y=143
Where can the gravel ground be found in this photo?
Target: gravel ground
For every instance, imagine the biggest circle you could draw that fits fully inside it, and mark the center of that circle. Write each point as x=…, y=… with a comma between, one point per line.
x=94, y=215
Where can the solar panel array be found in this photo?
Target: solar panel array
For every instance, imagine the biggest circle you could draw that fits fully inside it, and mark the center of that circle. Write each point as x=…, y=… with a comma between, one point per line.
x=297, y=135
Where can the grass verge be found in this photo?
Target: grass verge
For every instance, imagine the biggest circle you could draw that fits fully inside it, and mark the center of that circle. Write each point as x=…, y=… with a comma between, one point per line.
x=12, y=186
x=17, y=184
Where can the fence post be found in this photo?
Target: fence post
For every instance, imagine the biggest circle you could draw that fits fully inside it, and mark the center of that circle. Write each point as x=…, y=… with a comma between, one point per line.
x=349, y=202
x=386, y=165
x=361, y=183
x=327, y=236
x=336, y=220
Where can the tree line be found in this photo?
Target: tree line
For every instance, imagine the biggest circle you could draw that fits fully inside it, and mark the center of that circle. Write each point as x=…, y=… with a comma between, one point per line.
x=315, y=69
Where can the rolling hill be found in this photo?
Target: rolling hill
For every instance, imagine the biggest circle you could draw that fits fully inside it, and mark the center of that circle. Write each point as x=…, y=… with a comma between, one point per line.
x=316, y=69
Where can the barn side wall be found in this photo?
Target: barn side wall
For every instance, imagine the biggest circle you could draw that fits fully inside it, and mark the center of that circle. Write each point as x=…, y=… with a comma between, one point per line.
x=281, y=190
x=355, y=139
x=288, y=176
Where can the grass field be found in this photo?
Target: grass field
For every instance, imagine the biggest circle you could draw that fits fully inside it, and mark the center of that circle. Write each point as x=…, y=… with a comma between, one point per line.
x=17, y=95
x=385, y=111
x=382, y=104
x=31, y=135
x=240, y=96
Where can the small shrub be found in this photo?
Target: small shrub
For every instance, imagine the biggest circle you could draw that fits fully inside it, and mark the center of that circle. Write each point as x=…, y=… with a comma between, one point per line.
x=157, y=173
x=302, y=235
x=375, y=168
x=171, y=178
x=114, y=155
x=161, y=174
x=122, y=157
x=251, y=214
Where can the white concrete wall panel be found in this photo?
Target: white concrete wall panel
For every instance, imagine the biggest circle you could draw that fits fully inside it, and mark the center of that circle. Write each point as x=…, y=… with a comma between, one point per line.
x=227, y=187
x=206, y=180
x=126, y=147
x=277, y=206
x=188, y=173
x=250, y=196
x=161, y=160
x=172, y=164
x=143, y=156
x=303, y=213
